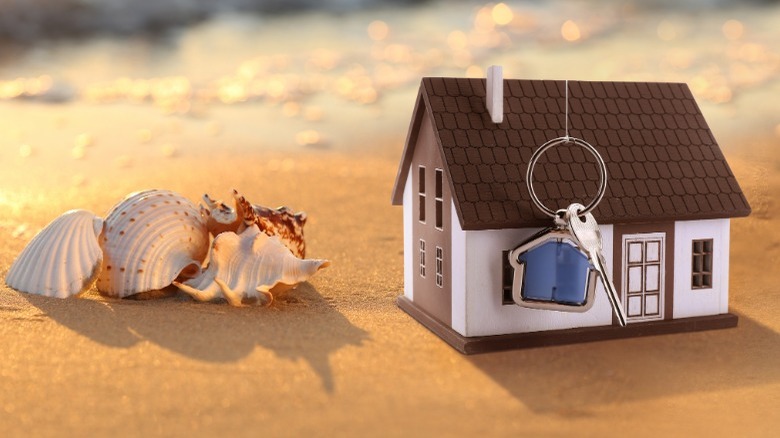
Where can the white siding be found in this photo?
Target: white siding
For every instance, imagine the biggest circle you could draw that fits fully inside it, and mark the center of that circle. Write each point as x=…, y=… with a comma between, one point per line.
x=482, y=312
x=458, y=283
x=409, y=267
x=690, y=302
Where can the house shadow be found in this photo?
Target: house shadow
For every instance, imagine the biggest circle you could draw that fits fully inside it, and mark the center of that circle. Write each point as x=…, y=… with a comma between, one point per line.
x=300, y=325
x=570, y=380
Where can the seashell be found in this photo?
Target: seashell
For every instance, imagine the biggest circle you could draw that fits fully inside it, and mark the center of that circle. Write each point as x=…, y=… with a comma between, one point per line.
x=280, y=222
x=150, y=239
x=248, y=268
x=62, y=260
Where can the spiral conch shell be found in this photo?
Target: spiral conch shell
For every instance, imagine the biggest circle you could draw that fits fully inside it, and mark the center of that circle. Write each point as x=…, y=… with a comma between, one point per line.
x=248, y=268
x=280, y=222
x=150, y=239
x=62, y=260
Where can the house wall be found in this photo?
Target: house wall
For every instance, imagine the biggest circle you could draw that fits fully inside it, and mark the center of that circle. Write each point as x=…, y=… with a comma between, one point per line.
x=477, y=308
x=427, y=294
x=697, y=302
x=458, y=285
x=409, y=268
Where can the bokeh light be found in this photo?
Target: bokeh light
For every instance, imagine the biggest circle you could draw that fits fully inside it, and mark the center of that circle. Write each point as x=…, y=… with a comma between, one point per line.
x=733, y=29
x=378, y=30
x=502, y=14
x=570, y=31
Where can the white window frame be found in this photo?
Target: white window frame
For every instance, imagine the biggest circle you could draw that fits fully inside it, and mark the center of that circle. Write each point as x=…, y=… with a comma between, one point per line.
x=439, y=266
x=439, y=199
x=421, y=194
x=422, y=258
x=704, y=272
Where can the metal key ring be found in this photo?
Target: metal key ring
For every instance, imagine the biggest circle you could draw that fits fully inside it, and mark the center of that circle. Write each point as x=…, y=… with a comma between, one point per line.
x=529, y=176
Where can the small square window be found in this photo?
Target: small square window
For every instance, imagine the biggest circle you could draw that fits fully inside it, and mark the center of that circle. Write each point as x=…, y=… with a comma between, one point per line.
x=652, y=251
x=635, y=252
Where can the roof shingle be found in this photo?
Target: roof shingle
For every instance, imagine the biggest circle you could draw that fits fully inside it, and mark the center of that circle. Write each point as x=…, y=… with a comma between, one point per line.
x=663, y=162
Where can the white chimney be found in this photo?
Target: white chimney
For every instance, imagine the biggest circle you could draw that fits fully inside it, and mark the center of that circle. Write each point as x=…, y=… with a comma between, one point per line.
x=495, y=93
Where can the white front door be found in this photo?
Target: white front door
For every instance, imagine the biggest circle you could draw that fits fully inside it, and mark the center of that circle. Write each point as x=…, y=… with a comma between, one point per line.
x=643, y=276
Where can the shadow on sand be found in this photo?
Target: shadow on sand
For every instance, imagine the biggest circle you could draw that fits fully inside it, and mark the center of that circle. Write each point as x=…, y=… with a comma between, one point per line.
x=300, y=325
x=567, y=380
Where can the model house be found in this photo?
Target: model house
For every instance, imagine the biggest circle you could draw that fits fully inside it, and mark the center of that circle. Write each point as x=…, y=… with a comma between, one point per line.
x=664, y=218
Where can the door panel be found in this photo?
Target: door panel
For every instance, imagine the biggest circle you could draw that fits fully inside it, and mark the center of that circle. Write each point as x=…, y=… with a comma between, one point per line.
x=643, y=276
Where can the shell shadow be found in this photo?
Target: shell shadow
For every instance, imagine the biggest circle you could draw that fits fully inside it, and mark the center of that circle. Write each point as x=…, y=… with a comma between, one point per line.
x=566, y=380
x=300, y=325
x=94, y=319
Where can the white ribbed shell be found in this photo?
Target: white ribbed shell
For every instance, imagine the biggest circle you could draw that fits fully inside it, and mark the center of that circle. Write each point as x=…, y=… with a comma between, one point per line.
x=150, y=238
x=62, y=259
x=248, y=262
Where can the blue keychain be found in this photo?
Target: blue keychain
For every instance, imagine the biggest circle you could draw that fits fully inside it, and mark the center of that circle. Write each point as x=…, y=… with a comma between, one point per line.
x=557, y=268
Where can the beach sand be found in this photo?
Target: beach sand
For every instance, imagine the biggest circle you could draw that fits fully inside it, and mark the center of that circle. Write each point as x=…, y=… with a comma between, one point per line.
x=336, y=357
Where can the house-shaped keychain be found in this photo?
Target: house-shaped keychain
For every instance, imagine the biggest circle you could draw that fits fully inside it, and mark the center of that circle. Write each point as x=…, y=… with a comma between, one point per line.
x=664, y=218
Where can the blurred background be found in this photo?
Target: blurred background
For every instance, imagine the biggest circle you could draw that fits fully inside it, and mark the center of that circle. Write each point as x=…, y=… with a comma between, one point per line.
x=106, y=85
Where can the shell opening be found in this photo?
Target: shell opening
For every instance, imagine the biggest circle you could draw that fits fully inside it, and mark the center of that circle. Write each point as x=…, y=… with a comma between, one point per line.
x=190, y=271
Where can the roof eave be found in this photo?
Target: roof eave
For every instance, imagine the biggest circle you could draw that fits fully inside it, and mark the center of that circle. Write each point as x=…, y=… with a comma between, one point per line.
x=542, y=223
x=411, y=139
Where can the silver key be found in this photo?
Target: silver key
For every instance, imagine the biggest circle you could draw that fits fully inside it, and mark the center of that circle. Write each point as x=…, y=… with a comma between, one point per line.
x=588, y=237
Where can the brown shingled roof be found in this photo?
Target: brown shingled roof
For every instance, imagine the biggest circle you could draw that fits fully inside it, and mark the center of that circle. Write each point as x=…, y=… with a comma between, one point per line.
x=662, y=160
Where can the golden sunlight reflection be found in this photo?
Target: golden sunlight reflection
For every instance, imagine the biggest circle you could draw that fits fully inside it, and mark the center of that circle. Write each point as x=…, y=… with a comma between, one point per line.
x=25, y=87
x=502, y=14
x=78, y=152
x=570, y=31
x=83, y=140
x=378, y=30
x=225, y=85
x=145, y=135
x=168, y=150
x=475, y=71
x=666, y=30
x=25, y=151
x=457, y=40
x=733, y=29
x=308, y=137
x=483, y=21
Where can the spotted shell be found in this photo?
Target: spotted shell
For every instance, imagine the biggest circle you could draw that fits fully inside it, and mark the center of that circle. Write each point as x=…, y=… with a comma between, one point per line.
x=248, y=268
x=282, y=221
x=62, y=260
x=150, y=239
